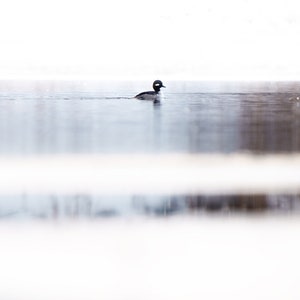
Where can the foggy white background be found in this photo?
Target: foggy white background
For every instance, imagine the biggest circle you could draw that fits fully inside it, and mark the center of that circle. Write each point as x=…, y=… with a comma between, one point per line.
x=191, y=39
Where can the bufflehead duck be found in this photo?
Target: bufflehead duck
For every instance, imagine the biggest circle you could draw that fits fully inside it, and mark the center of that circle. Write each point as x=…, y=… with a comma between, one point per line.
x=152, y=95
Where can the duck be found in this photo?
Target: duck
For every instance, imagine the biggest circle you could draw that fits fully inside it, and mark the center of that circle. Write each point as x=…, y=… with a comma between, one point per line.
x=152, y=95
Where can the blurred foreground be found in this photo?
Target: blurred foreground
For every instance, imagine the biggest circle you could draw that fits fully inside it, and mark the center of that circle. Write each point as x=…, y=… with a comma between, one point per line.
x=179, y=258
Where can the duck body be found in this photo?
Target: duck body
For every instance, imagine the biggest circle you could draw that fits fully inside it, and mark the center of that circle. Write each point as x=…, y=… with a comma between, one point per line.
x=151, y=95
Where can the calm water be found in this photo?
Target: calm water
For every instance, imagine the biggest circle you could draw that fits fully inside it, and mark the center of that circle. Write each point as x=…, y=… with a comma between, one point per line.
x=100, y=117
x=84, y=206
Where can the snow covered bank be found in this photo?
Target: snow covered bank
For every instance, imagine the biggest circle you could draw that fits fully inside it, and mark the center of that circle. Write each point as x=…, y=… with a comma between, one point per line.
x=159, y=259
x=150, y=174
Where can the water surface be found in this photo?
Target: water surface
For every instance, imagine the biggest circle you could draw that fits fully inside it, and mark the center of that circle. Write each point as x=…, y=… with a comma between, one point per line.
x=195, y=117
x=89, y=117
x=97, y=207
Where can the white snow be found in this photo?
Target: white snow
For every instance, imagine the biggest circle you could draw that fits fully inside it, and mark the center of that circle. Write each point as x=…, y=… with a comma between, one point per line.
x=191, y=39
x=159, y=259
x=150, y=174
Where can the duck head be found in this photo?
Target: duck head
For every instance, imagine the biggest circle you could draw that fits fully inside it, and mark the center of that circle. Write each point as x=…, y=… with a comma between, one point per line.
x=157, y=85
